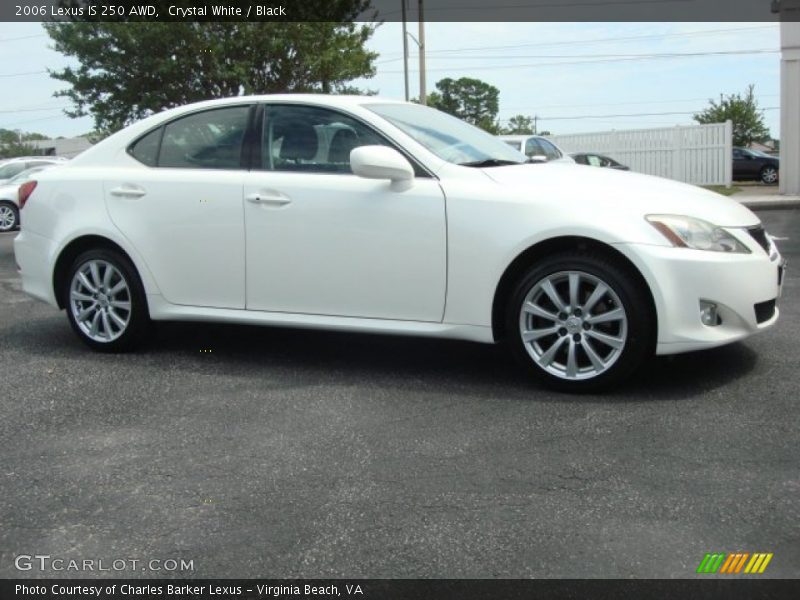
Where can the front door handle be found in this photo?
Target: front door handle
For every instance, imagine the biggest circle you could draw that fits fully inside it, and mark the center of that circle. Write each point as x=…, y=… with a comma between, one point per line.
x=128, y=191
x=268, y=198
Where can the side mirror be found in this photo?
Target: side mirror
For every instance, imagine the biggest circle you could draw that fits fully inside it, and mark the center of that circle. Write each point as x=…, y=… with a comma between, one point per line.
x=539, y=158
x=380, y=162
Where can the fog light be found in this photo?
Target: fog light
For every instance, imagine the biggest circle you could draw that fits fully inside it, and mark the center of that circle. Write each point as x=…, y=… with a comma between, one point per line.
x=708, y=314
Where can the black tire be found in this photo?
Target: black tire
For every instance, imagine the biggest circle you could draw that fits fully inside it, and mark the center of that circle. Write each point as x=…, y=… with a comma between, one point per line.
x=138, y=319
x=769, y=175
x=10, y=210
x=638, y=331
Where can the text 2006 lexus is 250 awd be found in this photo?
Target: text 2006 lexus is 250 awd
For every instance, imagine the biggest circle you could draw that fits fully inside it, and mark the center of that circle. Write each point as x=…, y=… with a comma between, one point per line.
x=363, y=214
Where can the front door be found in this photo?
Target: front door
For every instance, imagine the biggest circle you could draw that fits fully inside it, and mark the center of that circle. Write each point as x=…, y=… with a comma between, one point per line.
x=323, y=241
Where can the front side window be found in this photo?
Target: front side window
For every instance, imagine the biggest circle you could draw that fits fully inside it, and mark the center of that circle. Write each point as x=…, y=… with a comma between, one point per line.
x=212, y=139
x=447, y=137
x=312, y=139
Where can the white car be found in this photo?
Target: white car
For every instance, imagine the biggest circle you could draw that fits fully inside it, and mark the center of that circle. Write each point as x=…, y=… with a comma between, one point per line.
x=537, y=148
x=11, y=167
x=9, y=199
x=409, y=222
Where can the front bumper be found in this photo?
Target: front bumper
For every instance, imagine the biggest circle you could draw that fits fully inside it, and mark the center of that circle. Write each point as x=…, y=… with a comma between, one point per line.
x=745, y=287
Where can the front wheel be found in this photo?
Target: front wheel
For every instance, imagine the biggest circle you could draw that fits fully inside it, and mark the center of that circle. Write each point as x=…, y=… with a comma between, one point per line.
x=769, y=175
x=9, y=217
x=105, y=301
x=579, y=322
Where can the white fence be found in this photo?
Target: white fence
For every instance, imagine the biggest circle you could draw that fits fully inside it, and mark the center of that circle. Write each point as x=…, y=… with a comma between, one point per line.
x=699, y=154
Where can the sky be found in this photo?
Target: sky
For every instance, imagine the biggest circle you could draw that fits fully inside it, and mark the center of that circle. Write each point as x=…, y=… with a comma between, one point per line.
x=576, y=77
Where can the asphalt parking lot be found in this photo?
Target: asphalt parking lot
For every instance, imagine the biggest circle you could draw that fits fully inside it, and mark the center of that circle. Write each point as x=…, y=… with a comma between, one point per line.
x=282, y=453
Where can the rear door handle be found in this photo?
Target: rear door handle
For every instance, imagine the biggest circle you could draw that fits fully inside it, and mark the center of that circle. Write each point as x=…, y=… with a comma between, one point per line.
x=268, y=198
x=128, y=191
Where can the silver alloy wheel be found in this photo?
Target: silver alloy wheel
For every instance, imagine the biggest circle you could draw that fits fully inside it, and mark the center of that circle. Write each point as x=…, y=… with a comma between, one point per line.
x=8, y=219
x=573, y=325
x=100, y=301
x=769, y=175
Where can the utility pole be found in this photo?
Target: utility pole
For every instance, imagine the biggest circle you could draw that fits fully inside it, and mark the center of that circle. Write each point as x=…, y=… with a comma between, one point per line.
x=535, y=124
x=405, y=48
x=423, y=94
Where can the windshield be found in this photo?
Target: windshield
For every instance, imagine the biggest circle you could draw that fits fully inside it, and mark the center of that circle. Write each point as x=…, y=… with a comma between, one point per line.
x=449, y=138
x=8, y=171
x=761, y=154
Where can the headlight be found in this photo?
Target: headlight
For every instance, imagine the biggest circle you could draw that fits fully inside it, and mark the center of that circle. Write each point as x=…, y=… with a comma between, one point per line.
x=688, y=232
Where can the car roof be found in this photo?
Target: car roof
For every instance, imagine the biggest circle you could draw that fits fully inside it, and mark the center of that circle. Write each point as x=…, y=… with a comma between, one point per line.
x=27, y=158
x=520, y=137
x=323, y=99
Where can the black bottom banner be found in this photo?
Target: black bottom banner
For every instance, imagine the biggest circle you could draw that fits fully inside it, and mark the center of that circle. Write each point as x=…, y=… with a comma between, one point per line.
x=397, y=589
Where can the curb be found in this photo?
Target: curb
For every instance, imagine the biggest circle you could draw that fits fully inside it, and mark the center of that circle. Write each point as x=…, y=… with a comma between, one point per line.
x=771, y=204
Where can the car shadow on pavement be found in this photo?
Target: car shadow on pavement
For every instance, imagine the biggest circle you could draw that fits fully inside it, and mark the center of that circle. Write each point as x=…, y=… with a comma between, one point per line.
x=284, y=357
x=436, y=363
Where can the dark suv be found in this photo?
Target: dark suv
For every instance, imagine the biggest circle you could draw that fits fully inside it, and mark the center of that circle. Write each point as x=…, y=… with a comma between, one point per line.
x=751, y=164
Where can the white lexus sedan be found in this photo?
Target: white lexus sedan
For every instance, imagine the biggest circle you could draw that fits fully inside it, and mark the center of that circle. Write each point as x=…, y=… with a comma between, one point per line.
x=370, y=215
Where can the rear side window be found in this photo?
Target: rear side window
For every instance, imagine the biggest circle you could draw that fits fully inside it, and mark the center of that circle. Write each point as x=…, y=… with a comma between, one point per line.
x=211, y=139
x=145, y=150
x=532, y=148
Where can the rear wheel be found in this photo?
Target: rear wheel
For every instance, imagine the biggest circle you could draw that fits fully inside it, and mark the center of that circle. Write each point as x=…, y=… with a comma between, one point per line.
x=769, y=175
x=579, y=322
x=105, y=301
x=9, y=217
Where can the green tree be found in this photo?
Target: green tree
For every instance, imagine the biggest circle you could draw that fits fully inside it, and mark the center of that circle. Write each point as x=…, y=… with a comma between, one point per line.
x=748, y=120
x=129, y=70
x=519, y=125
x=15, y=143
x=13, y=149
x=472, y=100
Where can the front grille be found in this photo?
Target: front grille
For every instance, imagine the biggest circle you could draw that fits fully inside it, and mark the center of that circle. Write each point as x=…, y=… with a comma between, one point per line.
x=760, y=236
x=764, y=311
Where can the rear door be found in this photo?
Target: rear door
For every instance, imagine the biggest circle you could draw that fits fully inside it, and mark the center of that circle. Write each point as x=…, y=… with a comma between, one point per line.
x=183, y=213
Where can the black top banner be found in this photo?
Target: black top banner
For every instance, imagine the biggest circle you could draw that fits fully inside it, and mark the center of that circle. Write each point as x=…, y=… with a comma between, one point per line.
x=400, y=589
x=393, y=10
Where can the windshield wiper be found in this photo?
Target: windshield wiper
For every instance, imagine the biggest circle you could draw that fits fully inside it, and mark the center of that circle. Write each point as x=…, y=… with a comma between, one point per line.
x=490, y=162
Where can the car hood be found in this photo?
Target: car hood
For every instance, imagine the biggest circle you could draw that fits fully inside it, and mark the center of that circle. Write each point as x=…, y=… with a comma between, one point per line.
x=622, y=192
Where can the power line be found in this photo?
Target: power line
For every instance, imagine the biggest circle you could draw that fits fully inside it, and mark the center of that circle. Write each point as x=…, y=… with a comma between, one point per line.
x=21, y=110
x=24, y=37
x=22, y=74
x=34, y=120
x=637, y=102
x=631, y=58
x=598, y=40
x=657, y=114
x=615, y=56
